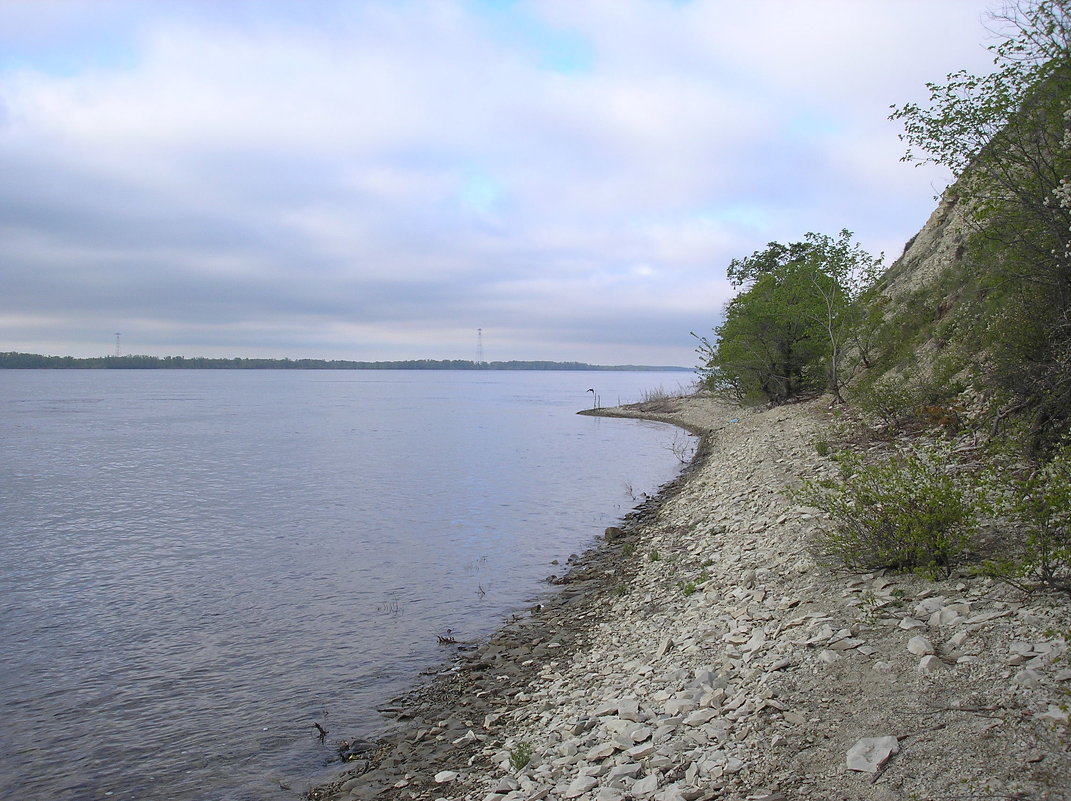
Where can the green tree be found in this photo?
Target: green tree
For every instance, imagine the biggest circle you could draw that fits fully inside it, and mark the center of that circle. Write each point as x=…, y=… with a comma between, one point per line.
x=766, y=347
x=787, y=331
x=1007, y=138
x=841, y=272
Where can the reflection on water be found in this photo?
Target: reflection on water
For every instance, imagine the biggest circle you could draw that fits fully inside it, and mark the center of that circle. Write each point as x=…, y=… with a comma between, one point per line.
x=195, y=566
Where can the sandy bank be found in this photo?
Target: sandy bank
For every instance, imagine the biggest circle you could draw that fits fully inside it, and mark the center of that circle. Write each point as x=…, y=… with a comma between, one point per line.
x=707, y=656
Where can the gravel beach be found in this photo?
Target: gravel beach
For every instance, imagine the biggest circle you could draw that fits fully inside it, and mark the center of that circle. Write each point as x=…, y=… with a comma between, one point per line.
x=703, y=654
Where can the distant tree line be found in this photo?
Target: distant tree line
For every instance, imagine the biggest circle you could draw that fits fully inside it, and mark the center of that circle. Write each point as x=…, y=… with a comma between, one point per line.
x=13, y=360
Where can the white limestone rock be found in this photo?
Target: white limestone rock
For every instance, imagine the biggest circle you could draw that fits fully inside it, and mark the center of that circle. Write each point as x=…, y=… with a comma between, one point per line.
x=870, y=753
x=629, y=709
x=1027, y=678
x=647, y=786
x=641, y=751
x=920, y=646
x=700, y=717
x=829, y=657
x=580, y=785
x=931, y=664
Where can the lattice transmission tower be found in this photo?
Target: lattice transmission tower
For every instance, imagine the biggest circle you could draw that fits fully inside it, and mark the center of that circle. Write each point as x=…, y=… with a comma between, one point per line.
x=479, y=346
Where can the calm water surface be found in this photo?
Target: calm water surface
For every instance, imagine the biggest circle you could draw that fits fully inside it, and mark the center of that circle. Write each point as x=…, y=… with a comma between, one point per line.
x=195, y=565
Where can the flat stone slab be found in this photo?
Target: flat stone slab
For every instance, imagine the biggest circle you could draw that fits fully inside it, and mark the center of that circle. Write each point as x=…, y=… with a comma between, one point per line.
x=870, y=753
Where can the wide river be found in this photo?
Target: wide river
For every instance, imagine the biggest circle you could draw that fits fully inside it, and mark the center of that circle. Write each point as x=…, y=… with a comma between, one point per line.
x=197, y=565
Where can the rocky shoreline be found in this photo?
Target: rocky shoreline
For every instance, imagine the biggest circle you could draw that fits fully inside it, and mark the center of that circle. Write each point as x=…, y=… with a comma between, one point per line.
x=702, y=654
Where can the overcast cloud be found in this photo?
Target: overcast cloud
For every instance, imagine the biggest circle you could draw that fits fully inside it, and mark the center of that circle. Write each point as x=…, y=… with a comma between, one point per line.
x=376, y=180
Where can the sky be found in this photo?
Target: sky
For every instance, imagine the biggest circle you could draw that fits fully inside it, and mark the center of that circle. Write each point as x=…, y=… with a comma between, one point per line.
x=379, y=179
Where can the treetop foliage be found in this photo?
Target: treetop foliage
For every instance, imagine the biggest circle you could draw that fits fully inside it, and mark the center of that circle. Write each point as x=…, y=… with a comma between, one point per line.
x=838, y=257
x=968, y=112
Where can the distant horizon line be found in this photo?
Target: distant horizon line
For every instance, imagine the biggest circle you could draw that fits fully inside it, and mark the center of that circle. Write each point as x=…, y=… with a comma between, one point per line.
x=20, y=360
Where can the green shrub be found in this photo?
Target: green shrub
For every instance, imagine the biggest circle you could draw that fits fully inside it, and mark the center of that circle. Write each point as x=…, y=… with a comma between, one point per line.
x=905, y=513
x=1041, y=505
x=520, y=756
x=891, y=400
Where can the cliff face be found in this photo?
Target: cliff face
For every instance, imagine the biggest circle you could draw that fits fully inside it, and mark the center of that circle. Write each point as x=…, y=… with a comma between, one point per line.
x=933, y=252
x=982, y=295
x=919, y=293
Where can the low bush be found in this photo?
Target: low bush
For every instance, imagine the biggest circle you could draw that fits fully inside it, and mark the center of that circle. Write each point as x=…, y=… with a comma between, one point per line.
x=892, y=401
x=1039, y=506
x=520, y=756
x=905, y=513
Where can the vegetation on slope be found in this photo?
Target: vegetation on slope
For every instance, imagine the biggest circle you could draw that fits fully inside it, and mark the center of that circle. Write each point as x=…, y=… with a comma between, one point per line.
x=998, y=318
x=1008, y=137
x=959, y=358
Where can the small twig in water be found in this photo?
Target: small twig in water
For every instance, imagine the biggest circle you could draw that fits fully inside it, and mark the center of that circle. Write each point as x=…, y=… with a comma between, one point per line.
x=323, y=732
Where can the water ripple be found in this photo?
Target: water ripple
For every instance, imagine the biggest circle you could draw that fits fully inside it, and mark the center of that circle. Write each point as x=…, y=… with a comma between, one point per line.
x=194, y=566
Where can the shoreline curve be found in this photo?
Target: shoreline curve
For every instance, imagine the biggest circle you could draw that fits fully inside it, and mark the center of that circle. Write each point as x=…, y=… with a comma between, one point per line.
x=715, y=659
x=419, y=735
